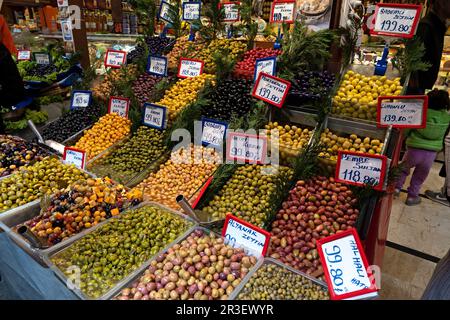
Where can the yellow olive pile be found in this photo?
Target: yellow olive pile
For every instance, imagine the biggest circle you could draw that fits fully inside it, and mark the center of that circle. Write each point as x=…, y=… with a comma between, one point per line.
x=184, y=49
x=184, y=173
x=333, y=143
x=108, y=130
x=357, y=96
x=236, y=49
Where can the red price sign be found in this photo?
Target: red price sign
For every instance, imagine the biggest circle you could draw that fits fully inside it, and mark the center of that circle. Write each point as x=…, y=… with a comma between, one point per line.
x=402, y=111
x=75, y=156
x=23, y=55
x=396, y=20
x=271, y=89
x=231, y=11
x=115, y=58
x=282, y=12
x=190, y=68
x=119, y=105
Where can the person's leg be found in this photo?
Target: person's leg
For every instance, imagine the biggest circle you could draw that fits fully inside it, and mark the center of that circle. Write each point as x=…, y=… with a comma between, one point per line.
x=425, y=160
x=408, y=162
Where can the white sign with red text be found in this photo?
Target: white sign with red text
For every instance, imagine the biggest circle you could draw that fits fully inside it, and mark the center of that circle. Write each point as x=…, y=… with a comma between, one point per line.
x=119, y=106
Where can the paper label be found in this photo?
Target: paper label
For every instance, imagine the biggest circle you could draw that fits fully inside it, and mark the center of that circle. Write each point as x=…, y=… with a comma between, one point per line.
x=80, y=99
x=190, y=68
x=282, y=12
x=115, y=58
x=213, y=132
x=271, y=89
x=266, y=65
x=23, y=55
x=247, y=147
x=155, y=116
x=396, y=20
x=74, y=156
x=164, y=12
x=403, y=112
x=191, y=11
x=42, y=58
x=157, y=65
x=119, y=106
x=231, y=11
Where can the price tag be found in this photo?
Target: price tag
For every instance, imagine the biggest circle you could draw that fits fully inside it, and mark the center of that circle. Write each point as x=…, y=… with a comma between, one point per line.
x=396, y=20
x=360, y=169
x=42, y=58
x=23, y=55
x=282, y=12
x=80, y=99
x=191, y=10
x=74, y=156
x=119, y=105
x=157, y=65
x=66, y=27
x=213, y=132
x=231, y=11
x=165, y=10
x=266, y=65
x=402, y=111
x=63, y=3
x=154, y=116
x=240, y=233
x=271, y=89
x=189, y=68
x=345, y=267
x=247, y=147
x=115, y=58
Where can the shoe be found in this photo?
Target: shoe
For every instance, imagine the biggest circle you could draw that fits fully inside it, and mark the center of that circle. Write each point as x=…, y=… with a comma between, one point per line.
x=437, y=197
x=397, y=193
x=413, y=201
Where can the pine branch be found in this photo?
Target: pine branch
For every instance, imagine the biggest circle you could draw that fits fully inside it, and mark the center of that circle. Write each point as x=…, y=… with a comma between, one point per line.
x=224, y=64
x=409, y=58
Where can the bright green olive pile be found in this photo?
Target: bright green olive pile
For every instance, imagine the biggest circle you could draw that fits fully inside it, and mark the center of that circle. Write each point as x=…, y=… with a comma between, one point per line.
x=117, y=248
x=34, y=181
x=132, y=157
x=247, y=194
x=273, y=282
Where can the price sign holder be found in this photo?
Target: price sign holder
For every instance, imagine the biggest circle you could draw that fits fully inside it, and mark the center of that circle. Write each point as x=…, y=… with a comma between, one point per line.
x=192, y=6
x=240, y=233
x=157, y=62
x=261, y=144
x=154, y=116
x=80, y=99
x=115, y=58
x=75, y=156
x=267, y=65
x=388, y=16
x=360, y=169
x=279, y=6
x=119, y=105
x=23, y=55
x=164, y=8
x=271, y=89
x=202, y=192
x=194, y=68
x=214, y=133
x=345, y=267
x=230, y=9
x=406, y=112
x=42, y=58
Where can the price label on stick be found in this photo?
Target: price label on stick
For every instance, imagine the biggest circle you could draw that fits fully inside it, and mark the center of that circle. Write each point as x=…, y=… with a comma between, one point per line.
x=231, y=11
x=115, y=58
x=155, y=116
x=345, y=267
x=240, y=233
x=23, y=55
x=191, y=11
x=271, y=89
x=119, y=105
x=80, y=99
x=74, y=156
x=247, y=147
x=165, y=12
x=42, y=58
x=157, y=65
x=266, y=65
x=396, y=20
x=189, y=68
x=361, y=169
x=213, y=132
x=402, y=111
x=283, y=11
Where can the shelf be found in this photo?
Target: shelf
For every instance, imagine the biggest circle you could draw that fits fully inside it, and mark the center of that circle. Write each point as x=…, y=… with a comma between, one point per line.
x=97, y=37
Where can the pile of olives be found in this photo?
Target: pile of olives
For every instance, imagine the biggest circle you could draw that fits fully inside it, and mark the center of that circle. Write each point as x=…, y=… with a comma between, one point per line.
x=247, y=194
x=273, y=282
x=34, y=181
x=131, y=156
x=117, y=248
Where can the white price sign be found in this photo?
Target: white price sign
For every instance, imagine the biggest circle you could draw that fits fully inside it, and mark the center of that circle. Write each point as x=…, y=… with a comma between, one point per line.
x=42, y=58
x=266, y=65
x=396, y=20
x=66, y=27
x=115, y=58
x=402, y=111
x=231, y=11
x=74, y=156
x=119, y=106
x=240, y=233
x=246, y=147
x=189, y=68
x=345, y=267
x=213, y=132
x=282, y=12
x=361, y=169
x=23, y=55
x=165, y=11
x=271, y=89
x=157, y=65
x=63, y=3
x=191, y=10
x=80, y=99
x=155, y=116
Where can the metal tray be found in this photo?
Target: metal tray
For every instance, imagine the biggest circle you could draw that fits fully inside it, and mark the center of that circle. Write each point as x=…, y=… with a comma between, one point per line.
x=240, y=287
x=138, y=273
x=55, y=250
